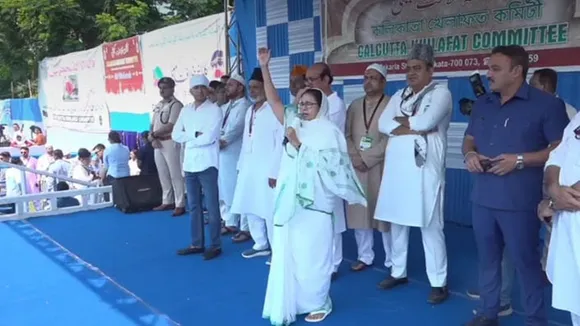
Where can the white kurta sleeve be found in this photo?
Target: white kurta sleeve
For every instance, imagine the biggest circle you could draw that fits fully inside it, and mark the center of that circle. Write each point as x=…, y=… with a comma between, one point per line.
x=441, y=106
x=236, y=119
x=276, y=159
x=80, y=173
x=210, y=132
x=558, y=154
x=179, y=134
x=386, y=121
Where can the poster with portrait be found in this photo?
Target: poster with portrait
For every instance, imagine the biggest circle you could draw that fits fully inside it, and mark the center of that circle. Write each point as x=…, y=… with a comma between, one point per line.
x=71, y=92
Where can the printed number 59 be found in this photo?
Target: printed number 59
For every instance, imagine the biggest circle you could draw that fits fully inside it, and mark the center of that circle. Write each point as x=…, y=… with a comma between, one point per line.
x=533, y=57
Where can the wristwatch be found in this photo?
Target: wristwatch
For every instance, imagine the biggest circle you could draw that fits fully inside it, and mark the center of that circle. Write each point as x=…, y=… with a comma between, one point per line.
x=520, y=162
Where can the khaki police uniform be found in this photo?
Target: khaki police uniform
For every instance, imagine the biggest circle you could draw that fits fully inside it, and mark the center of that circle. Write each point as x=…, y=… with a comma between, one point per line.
x=167, y=153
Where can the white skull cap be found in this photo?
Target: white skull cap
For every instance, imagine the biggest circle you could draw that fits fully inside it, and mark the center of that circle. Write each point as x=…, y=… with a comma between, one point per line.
x=381, y=69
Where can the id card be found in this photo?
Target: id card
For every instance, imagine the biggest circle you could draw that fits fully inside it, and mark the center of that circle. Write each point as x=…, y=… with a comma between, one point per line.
x=366, y=143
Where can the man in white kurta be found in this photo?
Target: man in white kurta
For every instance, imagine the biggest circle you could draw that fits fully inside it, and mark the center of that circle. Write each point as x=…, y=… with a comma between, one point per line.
x=320, y=76
x=254, y=194
x=43, y=163
x=562, y=178
x=411, y=193
x=232, y=129
x=547, y=80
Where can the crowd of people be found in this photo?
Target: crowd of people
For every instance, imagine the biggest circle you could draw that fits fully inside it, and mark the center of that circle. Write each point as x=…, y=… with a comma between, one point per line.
x=17, y=138
x=292, y=177
x=82, y=169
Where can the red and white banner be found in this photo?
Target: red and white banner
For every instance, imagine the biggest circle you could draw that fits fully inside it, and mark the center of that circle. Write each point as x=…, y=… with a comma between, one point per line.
x=123, y=67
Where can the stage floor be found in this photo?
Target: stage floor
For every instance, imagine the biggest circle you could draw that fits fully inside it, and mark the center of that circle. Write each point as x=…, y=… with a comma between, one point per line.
x=107, y=268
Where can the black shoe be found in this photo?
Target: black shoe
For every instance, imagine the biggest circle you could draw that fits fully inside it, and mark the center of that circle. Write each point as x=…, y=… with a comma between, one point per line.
x=438, y=295
x=482, y=321
x=212, y=253
x=391, y=282
x=190, y=251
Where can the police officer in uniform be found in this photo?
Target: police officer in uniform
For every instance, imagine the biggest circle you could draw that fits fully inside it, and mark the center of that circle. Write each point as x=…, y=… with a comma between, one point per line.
x=167, y=152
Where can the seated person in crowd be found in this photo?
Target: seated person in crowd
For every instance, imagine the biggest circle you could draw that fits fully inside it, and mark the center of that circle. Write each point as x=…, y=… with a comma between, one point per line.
x=82, y=171
x=65, y=201
x=115, y=159
x=39, y=138
x=60, y=167
x=134, y=163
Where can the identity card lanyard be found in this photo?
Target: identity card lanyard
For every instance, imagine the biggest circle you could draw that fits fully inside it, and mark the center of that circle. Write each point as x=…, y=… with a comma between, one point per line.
x=252, y=118
x=227, y=115
x=249, y=145
x=366, y=142
x=368, y=122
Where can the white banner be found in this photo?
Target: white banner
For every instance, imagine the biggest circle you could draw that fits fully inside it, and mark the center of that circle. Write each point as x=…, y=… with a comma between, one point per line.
x=71, y=91
x=183, y=50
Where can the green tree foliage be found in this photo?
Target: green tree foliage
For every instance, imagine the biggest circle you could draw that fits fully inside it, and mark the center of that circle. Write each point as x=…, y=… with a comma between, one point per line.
x=31, y=30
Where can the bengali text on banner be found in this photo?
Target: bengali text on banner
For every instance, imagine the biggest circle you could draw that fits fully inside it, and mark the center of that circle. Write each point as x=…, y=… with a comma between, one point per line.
x=183, y=50
x=72, y=92
x=462, y=32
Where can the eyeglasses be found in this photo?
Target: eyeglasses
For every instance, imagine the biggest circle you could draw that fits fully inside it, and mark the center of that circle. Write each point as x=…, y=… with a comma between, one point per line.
x=306, y=105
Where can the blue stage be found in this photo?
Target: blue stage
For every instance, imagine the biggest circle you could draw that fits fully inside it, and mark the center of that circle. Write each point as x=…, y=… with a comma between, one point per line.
x=107, y=268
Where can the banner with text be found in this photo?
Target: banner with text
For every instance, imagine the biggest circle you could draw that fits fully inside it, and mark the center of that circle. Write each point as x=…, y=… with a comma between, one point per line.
x=72, y=91
x=462, y=32
x=124, y=76
x=183, y=50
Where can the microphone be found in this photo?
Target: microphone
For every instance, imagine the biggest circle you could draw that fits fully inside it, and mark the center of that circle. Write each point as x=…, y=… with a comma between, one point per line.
x=295, y=123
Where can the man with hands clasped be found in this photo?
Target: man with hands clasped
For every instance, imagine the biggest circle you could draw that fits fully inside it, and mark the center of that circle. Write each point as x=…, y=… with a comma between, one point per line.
x=507, y=142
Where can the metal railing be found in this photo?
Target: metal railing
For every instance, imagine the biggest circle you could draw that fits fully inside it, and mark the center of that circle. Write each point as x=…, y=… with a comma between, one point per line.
x=89, y=198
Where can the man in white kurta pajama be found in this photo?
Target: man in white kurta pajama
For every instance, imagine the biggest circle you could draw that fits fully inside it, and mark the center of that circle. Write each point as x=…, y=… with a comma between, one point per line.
x=261, y=145
x=232, y=129
x=411, y=193
x=562, y=178
x=319, y=76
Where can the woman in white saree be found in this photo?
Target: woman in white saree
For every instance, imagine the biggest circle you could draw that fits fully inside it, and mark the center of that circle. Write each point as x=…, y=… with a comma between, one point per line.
x=315, y=170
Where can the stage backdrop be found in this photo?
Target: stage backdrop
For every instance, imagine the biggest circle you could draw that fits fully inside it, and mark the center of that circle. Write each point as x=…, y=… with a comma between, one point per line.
x=72, y=92
x=86, y=94
x=462, y=32
x=180, y=51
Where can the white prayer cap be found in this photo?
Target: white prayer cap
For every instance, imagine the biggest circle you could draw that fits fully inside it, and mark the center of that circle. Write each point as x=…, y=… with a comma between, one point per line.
x=239, y=79
x=381, y=69
x=198, y=80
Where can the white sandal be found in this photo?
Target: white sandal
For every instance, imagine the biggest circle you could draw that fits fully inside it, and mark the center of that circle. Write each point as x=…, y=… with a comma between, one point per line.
x=322, y=312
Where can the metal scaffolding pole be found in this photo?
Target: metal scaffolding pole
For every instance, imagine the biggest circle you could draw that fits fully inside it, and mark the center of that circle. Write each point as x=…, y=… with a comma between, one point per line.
x=233, y=62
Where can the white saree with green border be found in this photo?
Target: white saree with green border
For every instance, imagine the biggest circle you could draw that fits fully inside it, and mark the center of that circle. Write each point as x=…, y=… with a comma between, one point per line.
x=309, y=182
